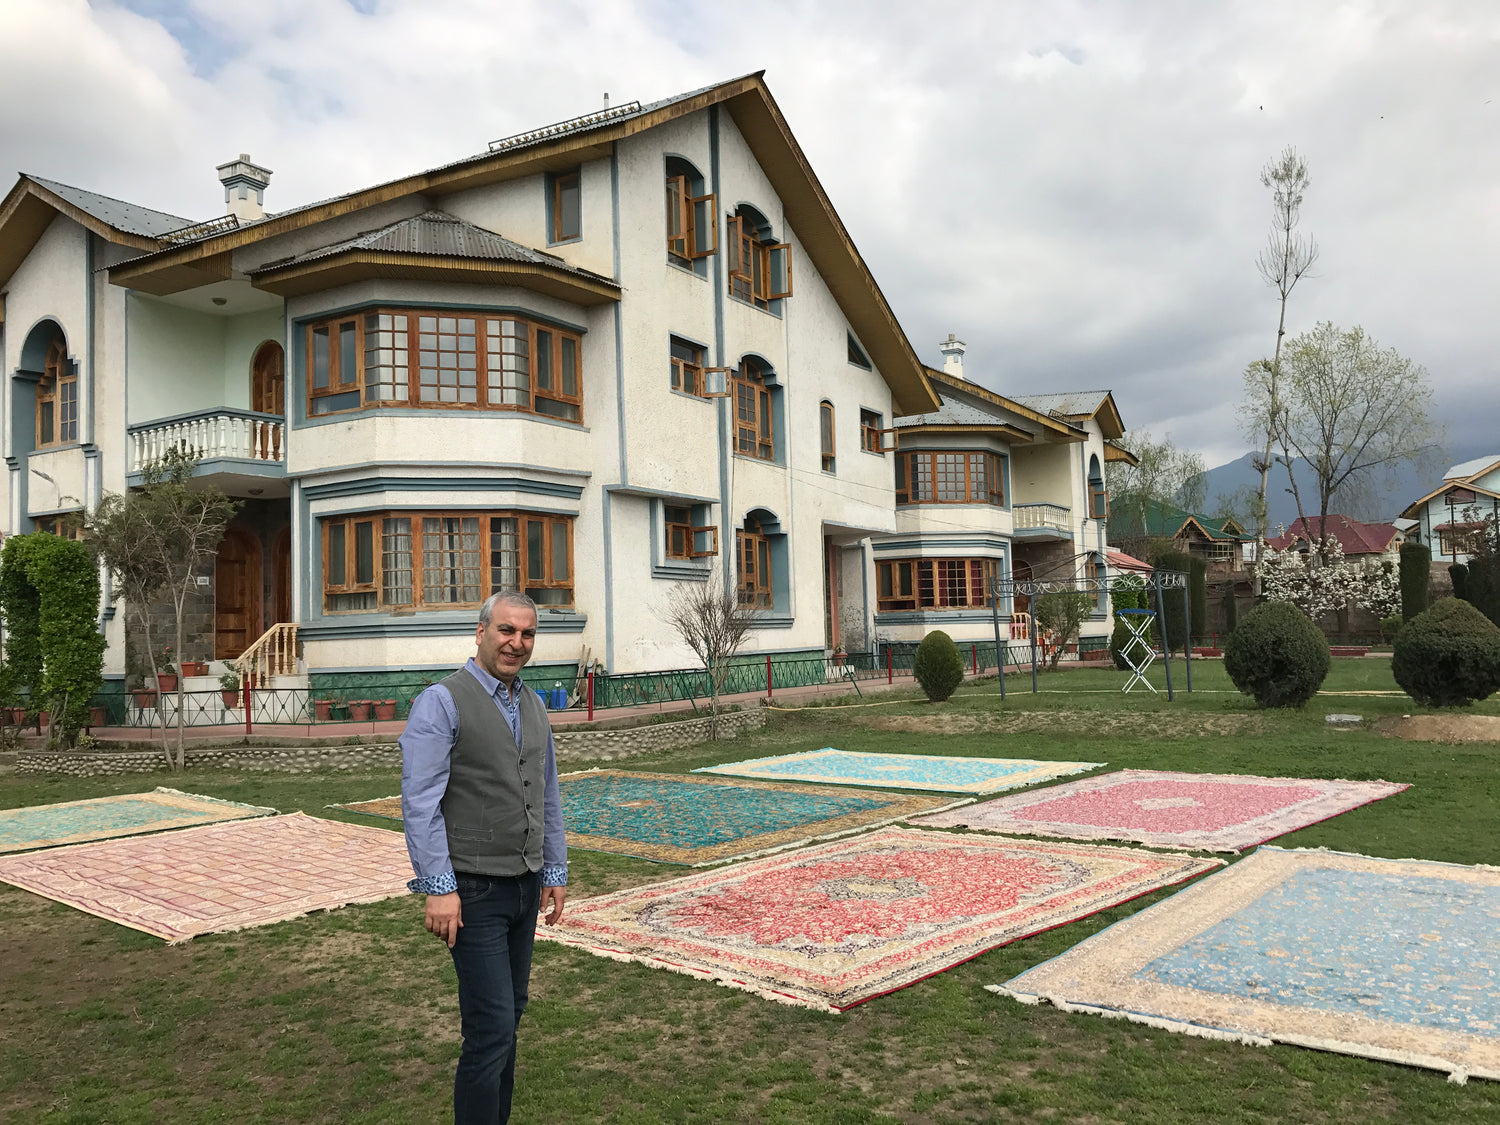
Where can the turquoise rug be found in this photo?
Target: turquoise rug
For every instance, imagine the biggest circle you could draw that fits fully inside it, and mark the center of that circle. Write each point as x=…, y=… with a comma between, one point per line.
x=674, y=818
x=1394, y=959
x=103, y=818
x=976, y=776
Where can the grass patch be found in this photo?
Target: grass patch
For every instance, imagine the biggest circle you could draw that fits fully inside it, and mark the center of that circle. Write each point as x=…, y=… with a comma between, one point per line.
x=352, y=1015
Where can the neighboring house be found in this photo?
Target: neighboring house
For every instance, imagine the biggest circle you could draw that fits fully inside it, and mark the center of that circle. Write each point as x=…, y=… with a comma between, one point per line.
x=1359, y=541
x=1220, y=542
x=990, y=486
x=574, y=364
x=1448, y=516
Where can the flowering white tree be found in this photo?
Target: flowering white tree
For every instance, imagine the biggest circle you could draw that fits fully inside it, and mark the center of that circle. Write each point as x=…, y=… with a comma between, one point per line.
x=1334, y=584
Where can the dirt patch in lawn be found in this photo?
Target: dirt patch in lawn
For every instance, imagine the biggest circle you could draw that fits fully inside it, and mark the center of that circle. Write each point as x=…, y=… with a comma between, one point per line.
x=1117, y=723
x=1442, y=728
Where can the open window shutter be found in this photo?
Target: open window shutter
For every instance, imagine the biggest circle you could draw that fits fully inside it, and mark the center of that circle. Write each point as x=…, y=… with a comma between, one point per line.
x=779, y=275
x=678, y=216
x=716, y=382
x=887, y=445
x=705, y=229
x=705, y=542
x=739, y=260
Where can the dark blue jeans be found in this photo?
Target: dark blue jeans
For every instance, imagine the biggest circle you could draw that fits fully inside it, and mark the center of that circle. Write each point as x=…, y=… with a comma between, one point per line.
x=493, y=959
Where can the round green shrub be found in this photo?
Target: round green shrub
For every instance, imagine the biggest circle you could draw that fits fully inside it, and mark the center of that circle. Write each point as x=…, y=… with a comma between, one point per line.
x=1448, y=656
x=1390, y=626
x=1277, y=655
x=938, y=666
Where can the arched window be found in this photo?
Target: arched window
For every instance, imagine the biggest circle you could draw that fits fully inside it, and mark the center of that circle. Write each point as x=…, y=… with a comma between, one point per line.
x=760, y=268
x=268, y=379
x=754, y=552
x=754, y=424
x=692, y=231
x=57, y=397
x=1098, y=497
x=825, y=432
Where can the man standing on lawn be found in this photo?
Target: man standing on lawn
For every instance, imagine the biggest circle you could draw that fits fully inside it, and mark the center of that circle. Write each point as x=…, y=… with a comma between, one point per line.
x=484, y=828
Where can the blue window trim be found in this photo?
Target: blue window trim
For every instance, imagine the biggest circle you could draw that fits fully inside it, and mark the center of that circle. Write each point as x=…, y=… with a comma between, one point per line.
x=773, y=307
x=692, y=570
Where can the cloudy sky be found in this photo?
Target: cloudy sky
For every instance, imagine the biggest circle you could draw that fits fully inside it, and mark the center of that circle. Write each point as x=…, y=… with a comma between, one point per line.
x=1070, y=187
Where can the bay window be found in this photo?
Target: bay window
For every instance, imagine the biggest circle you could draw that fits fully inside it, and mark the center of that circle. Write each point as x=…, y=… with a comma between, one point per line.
x=933, y=583
x=949, y=478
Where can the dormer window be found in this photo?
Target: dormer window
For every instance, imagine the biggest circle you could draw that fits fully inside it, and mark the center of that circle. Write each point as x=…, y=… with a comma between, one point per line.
x=760, y=268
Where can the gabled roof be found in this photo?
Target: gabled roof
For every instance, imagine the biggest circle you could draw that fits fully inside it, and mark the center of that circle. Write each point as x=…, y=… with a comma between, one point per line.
x=1355, y=538
x=1119, y=561
x=806, y=206
x=433, y=242
x=1414, y=509
x=1469, y=470
x=1167, y=521
x=1099, y=405
x=31, y=205
x=966, y=404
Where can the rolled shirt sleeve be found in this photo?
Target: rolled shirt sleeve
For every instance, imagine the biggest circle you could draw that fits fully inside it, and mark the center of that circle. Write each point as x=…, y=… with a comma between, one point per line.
x=426, y=745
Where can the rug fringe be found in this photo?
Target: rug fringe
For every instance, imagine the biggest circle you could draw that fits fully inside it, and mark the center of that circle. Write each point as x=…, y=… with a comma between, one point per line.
x=214, y=800
x=1457, y=1074
x=686, y=970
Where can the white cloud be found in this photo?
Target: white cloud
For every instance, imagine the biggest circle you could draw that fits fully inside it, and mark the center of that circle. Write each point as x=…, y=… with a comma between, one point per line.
x=1071, y=187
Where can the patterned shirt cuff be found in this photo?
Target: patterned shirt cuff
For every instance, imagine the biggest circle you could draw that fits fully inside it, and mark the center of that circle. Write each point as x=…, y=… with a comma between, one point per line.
x=444, y=884
x=554, y=874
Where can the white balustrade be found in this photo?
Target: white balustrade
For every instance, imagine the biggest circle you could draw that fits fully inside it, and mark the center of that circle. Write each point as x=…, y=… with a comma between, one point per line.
x=245, y=437
x=1041, y=515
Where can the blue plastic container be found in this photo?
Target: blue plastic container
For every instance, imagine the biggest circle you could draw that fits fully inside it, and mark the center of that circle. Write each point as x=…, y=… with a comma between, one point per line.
x=559, y=698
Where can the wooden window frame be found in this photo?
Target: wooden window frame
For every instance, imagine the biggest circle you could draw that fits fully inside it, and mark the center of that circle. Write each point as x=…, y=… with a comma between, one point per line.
x=340, y=384
x=871, y=436
x=759, y=430
x=688, y=243
x=58, y=389
x=940, y=583
x=65, y=525
x=827, y=437
x=416, y=548
x=994, y=489
x=698, y=541
x=1098, y=500
x=268, y=379
x=751, y=265
x=559, y=181
x=753, y=567
x=691, y=377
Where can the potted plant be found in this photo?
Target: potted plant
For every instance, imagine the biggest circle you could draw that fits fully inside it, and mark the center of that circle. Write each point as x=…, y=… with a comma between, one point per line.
x=385, y=710
x=229, y=689
x=359, y=710
x=98, y=716
x=166, y=680
x=194, y=668
x=144, y=697
x=322, y=709
x=840, y=655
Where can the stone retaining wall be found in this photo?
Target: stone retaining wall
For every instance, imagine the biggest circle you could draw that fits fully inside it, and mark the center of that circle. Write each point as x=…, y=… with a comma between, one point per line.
x=571, y=746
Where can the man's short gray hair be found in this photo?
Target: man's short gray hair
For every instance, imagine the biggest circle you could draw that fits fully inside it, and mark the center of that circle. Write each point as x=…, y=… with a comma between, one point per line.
x=505, y=597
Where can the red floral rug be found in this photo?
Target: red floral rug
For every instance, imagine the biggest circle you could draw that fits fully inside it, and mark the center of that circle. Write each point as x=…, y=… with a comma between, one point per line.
x=1195, y=811
x=835, y=925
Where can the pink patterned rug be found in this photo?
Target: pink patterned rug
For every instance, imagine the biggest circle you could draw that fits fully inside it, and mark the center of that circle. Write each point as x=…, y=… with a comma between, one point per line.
x=219, y=877
x=835, y=925
x=1196, y=811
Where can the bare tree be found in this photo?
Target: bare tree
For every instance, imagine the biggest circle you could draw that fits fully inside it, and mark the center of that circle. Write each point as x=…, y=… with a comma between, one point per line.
x=711, y=621
x=1351, y=409
x=1285, y=260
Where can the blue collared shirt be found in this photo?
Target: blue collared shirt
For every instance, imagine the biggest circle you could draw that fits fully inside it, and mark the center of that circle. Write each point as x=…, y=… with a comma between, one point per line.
x=426, y=747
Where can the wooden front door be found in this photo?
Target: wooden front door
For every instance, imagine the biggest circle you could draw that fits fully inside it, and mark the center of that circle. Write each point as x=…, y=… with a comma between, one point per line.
x=281, y=582
x=237, y=622
x=268, y=379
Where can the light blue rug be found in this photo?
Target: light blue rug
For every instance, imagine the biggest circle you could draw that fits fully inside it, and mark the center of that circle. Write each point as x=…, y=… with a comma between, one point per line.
x=103, y=818
x=1395, y=959
x=975, y=776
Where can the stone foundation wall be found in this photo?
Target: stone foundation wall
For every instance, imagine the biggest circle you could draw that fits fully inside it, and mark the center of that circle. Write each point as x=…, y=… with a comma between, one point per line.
x=571, y=746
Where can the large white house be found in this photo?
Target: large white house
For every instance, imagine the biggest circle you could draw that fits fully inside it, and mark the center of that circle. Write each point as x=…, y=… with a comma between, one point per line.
x=592, y=362
x=1449, y=516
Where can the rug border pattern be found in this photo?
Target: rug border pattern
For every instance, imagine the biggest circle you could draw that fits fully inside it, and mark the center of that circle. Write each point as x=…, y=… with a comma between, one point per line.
x=1041, y=771
x=169, y=800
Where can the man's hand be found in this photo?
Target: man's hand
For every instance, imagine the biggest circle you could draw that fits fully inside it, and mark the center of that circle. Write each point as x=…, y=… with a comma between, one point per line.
x=443, y=917
x=552, y=902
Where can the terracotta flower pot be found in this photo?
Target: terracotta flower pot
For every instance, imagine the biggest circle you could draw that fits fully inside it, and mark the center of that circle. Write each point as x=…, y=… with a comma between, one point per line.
x=230, y=698
x=385, y=710
x=194, y=668
x=98, y=716
x=144, y=697
x=16, y=715
x=322, y=709
x=166, y=681
x=359, y=710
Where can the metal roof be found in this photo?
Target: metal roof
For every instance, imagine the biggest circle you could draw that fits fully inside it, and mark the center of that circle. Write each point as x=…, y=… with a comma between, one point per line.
x=438, y=234
x=131, y=218
x=959, y=412
x=1470, y=468
x=1068, y=403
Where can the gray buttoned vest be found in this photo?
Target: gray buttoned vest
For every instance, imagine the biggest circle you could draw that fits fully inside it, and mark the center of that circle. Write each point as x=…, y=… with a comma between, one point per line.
x=493, y=804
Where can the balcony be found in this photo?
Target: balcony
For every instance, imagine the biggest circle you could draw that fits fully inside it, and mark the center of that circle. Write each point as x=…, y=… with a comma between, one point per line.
x=230, y=444
x=1042, y=521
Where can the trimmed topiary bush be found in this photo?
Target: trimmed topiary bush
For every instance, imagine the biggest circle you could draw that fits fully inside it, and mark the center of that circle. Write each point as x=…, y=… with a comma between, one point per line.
x=1448, y=656
x=1277, y=655
x=938, y=666
x=1416, y=573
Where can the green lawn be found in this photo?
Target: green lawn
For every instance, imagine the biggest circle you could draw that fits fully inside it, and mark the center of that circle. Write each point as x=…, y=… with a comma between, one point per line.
x=351, y=1015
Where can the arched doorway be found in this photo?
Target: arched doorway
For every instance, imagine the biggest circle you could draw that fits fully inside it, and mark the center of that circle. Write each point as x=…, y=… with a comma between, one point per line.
x=237, y=577
x=268, y=379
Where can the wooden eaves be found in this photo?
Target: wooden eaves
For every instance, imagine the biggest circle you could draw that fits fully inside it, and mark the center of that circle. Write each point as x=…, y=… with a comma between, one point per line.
x=297, y=279
x=29, y=208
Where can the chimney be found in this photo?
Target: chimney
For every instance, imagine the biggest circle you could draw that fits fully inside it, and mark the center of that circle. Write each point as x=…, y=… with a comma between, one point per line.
x=953, y=356
x=244, y=187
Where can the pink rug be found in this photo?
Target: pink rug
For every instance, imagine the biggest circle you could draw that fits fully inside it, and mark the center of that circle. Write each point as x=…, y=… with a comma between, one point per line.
x=835, y=925
x=219, y=877
x=1195, y=811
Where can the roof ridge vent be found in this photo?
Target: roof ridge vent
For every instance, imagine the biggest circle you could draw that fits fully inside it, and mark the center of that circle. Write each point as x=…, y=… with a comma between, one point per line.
x=560, y=128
